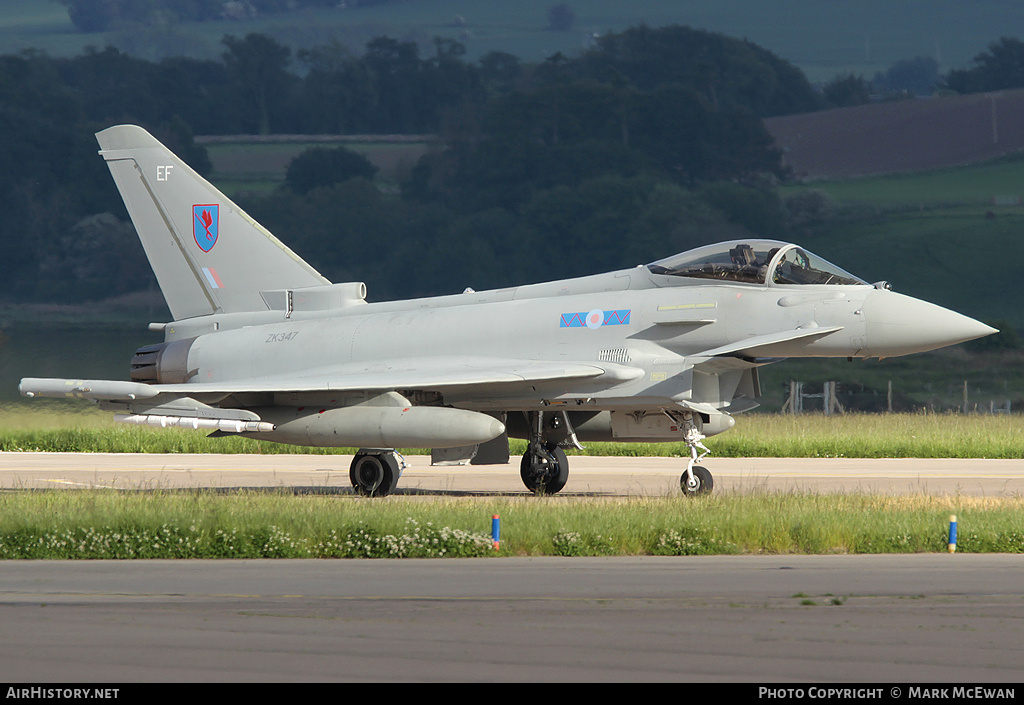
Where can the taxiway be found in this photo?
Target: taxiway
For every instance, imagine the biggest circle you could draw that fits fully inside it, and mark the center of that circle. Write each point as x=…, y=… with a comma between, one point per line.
x=608, y=476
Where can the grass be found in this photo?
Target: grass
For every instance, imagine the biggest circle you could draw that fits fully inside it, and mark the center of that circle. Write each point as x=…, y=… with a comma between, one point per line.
x=80, y=428
x=852, y=436
x=64, y=524
x=974, y=185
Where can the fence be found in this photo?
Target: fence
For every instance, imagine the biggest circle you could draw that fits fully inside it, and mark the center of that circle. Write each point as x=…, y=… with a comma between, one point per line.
x=870, y=400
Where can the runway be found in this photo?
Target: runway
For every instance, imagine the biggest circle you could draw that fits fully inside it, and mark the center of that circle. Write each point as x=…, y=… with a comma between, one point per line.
x=922, y=618
x=597, y=476
x=754, y=619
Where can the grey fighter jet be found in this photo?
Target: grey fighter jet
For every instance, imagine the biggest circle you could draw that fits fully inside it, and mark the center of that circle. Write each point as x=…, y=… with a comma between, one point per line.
x=262, y=345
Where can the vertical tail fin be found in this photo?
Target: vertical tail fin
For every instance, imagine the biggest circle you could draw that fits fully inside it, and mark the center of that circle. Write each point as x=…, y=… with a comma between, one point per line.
x=208, y=255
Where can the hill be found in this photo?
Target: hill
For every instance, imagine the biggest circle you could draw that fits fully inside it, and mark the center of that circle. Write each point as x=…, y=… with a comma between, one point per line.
x=822, y=38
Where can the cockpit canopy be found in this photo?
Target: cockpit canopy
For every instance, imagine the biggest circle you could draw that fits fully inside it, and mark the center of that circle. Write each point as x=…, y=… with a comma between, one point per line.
x=754, y=262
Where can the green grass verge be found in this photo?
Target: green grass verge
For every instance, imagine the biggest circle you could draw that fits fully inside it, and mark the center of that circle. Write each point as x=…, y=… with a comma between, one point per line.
x=56, y=428
x=65, y=524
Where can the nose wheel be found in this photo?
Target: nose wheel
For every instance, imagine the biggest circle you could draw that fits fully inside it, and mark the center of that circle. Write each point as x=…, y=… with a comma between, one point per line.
x=697, y=481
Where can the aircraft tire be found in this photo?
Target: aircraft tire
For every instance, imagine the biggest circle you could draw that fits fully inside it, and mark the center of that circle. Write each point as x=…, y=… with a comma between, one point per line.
x=703, y=482
x=374, y=474
x=551, y=481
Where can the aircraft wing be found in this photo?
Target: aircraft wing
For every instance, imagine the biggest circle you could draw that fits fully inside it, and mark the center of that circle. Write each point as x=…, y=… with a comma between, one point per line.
x=420, y=373
x=424, y=374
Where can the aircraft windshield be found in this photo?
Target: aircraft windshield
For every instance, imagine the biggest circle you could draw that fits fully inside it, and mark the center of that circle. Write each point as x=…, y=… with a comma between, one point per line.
x=754, y=262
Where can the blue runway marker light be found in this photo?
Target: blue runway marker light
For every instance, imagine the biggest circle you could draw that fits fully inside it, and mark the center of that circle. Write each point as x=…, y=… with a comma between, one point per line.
x=952, y=533
x=495, y=530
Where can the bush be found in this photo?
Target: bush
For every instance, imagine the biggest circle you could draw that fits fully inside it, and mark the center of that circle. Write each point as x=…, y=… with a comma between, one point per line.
x=321, y=166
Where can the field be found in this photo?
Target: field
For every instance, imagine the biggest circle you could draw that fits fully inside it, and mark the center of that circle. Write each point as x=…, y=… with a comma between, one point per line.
x=861, y=38
x=970, y=190
x=259, y=164
x=901, y=136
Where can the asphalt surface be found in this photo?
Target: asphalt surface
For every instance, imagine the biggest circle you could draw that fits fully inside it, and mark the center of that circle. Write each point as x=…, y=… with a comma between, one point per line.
x=769, y=619
x=587, y=476
x=749, y=619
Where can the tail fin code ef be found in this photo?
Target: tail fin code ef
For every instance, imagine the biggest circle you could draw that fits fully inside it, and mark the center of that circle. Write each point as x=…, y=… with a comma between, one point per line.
x=208, y=255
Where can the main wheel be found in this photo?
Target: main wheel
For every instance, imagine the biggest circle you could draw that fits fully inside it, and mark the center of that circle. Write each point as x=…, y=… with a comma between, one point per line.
x=374, y=474
x=548, y=474
x=702, y=482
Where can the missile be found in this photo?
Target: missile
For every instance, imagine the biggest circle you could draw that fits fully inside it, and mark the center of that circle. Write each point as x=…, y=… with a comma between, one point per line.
x=225, y=425
x=364, y=426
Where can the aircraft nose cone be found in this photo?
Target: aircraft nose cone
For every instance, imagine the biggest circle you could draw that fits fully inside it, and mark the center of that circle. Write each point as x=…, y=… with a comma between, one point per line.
x=896, y=324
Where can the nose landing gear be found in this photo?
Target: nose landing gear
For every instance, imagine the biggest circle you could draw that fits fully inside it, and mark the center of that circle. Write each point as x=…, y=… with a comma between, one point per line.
x=696, y=480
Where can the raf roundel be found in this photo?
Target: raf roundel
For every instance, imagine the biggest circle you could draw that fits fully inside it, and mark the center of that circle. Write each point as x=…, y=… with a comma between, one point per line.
x=595, y=318
x=205, y=225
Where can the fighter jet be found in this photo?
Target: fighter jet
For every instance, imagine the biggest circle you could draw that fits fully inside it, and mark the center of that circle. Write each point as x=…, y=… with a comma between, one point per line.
x=262, y=345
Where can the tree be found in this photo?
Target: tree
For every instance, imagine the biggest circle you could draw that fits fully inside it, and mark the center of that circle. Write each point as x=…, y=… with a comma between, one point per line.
x=257, y=64
x=1002, y=66
x=114, y=86
x=847, y=90
x=397, y=72
x=97, y=257
x=693, y=142
x=917, y=76
x=760, y=212
x=724, y=71
x=499, y=71
x=324, y=167
x=177, y=137
x=338, y=94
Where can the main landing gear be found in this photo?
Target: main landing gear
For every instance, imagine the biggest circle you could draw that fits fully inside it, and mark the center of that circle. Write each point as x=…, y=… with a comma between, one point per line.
x=545, y=468
x=375, y=472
